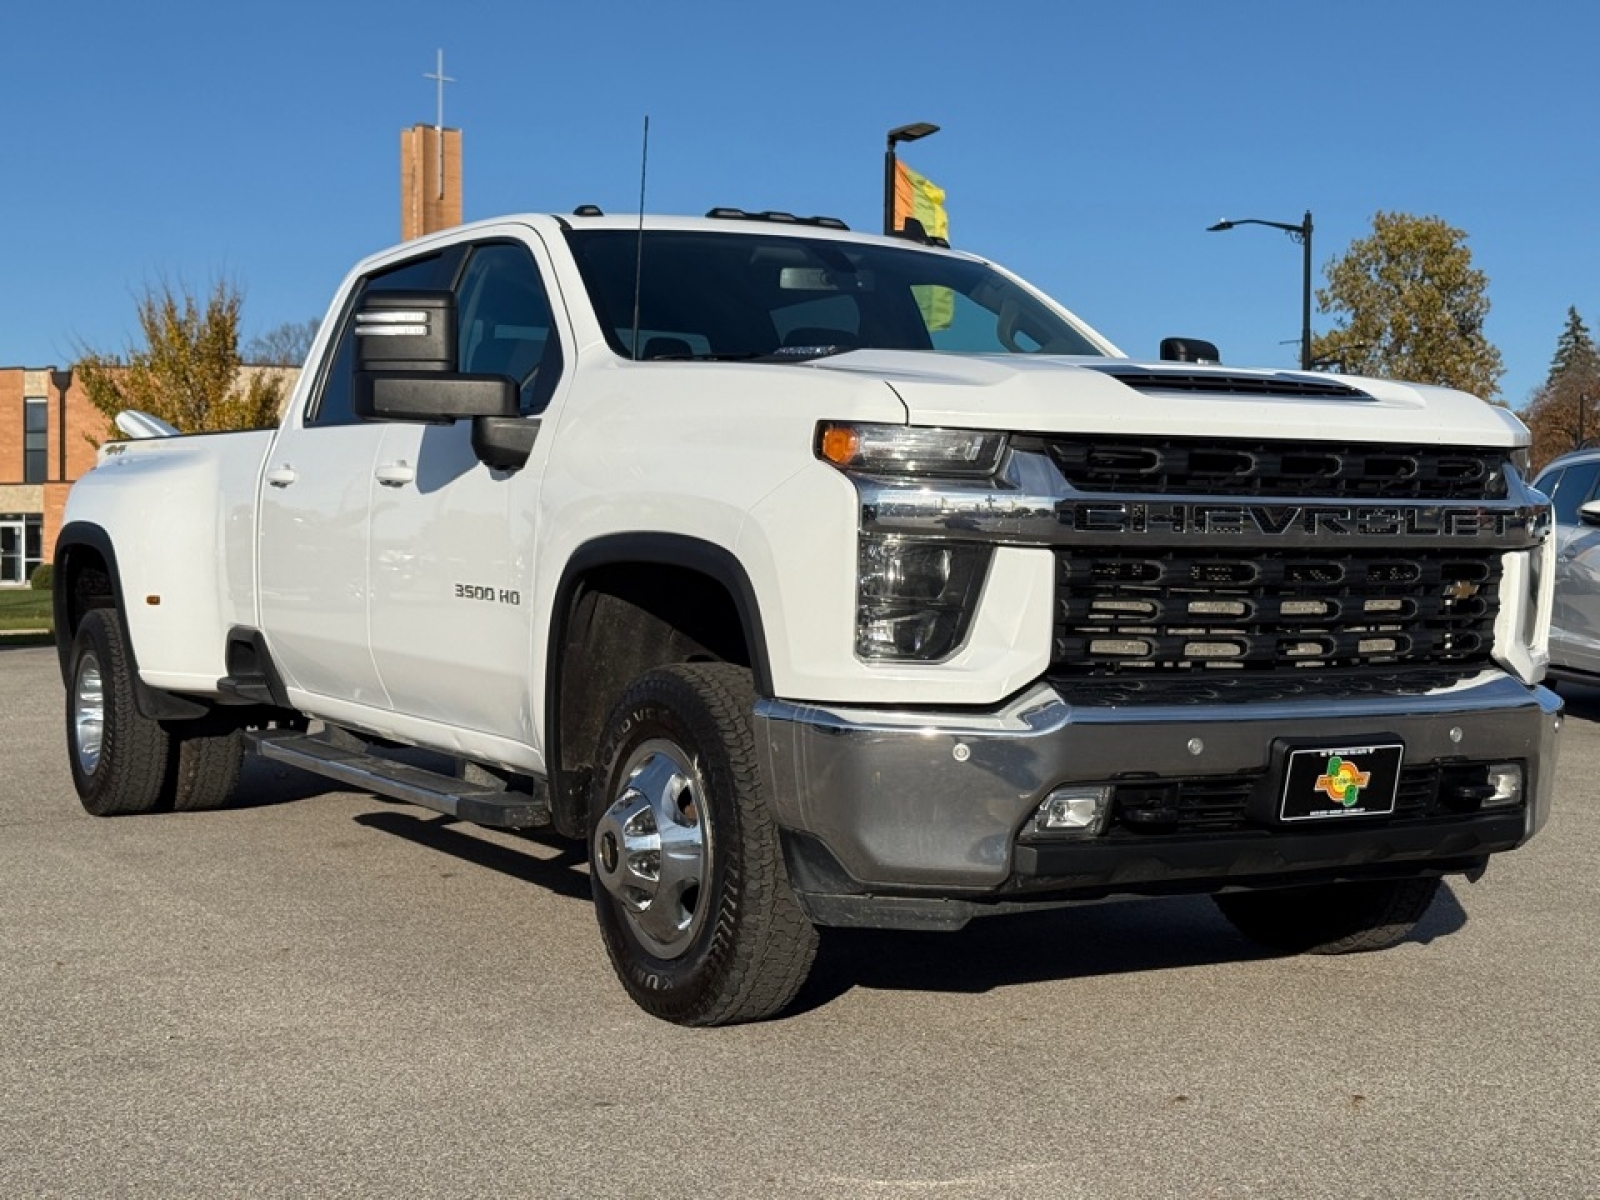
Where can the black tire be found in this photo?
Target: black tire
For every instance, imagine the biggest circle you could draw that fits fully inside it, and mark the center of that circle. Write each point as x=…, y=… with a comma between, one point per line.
x=1334, y=918
x=208, y=754
x=716, y=937
x=119, y=758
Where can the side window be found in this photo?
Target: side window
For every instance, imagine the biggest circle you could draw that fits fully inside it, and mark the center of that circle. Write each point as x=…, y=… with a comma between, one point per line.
x=1575, y=486
x=330, y=405
x=505, y=322
x=1547, y=481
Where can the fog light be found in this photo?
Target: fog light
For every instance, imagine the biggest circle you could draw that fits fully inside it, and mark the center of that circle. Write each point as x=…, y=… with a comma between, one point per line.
x=1080, y=810
x=1506, y=780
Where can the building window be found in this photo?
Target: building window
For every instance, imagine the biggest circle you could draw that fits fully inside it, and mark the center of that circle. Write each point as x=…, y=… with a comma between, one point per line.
x=35, y=423
x=32, y=543
x=21, y=540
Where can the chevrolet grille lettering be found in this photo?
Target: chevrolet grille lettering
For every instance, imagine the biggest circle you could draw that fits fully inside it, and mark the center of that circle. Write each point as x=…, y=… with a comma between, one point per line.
x=1338, y=520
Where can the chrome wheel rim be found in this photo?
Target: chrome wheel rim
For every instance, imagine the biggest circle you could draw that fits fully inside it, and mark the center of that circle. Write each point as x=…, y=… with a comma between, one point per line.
x=652, y=848
x=88, y=714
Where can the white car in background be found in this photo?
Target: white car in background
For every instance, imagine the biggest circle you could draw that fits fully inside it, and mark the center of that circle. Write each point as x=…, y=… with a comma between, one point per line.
x=1571, y=482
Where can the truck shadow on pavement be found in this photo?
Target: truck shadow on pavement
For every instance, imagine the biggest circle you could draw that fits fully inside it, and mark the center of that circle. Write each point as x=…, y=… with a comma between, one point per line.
x=1112, y=938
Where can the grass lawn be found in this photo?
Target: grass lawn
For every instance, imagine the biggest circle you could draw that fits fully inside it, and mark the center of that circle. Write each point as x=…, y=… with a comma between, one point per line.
x=24, y=608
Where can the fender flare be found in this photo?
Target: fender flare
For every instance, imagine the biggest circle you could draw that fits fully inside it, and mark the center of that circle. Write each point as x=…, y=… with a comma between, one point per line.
x=715, y=562
x=672, y=550
x=152, y=703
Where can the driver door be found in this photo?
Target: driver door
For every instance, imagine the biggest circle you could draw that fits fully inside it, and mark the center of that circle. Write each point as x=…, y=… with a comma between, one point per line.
x=452, y=541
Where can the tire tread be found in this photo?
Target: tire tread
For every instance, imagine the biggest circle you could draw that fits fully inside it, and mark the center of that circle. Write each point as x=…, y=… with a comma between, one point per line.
x=135, y=751
x=762, y=947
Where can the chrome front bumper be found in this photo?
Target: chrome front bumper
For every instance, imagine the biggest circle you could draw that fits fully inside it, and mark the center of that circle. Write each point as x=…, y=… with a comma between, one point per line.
x=931, y=804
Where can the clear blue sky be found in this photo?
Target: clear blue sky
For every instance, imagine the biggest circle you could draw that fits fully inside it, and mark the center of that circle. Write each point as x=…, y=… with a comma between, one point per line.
x=1086, y=146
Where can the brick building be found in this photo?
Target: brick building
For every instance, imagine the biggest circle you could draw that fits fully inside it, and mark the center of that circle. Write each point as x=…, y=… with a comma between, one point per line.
x=48, y=436
x=41, y=454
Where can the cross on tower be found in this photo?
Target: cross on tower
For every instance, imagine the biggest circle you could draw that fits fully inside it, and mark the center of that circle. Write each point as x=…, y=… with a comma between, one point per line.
x=440, y=78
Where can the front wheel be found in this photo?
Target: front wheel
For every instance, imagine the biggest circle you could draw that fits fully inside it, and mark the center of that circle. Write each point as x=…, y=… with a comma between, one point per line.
x=118, y=756
x=1331, y=918
x=693, y=901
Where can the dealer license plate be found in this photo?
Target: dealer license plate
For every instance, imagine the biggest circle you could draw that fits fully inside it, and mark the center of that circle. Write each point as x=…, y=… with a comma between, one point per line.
x=1325, y=783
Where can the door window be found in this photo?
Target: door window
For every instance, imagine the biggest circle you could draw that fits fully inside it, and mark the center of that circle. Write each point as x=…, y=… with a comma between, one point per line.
x=331, y=404
x=10, y=551
x=505, y=325
x=1574, y=488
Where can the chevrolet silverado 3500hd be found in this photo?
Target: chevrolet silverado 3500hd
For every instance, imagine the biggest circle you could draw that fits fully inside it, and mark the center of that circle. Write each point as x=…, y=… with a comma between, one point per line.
x=813, y=578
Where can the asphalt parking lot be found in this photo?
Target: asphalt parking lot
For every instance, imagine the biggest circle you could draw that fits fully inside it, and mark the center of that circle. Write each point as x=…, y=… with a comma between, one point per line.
x=318, y=993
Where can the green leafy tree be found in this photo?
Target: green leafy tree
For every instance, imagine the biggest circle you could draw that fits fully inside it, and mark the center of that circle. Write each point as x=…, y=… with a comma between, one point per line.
x=188, y=370
x=1409, y=304
x=1564, y=411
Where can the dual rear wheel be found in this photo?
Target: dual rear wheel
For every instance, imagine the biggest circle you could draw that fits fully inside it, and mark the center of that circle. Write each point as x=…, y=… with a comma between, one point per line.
x=124, y=762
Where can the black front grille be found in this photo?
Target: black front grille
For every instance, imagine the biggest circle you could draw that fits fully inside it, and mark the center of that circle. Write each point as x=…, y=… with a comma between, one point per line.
x=1326, y=470
x=1234, y=803
x=1123, y=612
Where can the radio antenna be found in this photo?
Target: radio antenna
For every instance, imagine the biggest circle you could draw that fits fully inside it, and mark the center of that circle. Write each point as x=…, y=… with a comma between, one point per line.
x=638, y=262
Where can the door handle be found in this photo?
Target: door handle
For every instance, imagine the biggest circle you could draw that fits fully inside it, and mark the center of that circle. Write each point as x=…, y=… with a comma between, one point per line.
x=395, y=474
x=281, y=477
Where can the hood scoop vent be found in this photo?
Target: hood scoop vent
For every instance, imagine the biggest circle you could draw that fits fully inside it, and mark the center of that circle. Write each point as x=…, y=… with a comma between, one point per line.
x=1281, y=386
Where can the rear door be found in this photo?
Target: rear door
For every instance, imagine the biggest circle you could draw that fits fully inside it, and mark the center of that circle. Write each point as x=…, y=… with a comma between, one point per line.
x=315, y=500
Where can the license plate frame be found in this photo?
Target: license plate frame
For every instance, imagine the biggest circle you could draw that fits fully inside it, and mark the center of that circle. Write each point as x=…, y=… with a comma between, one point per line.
x=1340, y=781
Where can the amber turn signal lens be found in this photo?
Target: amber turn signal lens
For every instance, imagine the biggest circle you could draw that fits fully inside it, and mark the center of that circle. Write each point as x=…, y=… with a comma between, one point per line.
x=840, y=444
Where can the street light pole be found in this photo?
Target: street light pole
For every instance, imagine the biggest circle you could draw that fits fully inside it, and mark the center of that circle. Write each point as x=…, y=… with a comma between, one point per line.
x=902, y=133
x=1302, y=234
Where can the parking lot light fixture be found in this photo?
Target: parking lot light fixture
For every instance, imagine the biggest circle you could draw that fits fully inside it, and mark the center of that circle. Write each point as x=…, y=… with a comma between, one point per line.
x=1302, y=234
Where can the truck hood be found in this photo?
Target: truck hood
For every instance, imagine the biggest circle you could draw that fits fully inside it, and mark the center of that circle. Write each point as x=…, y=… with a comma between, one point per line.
x=1049, y=394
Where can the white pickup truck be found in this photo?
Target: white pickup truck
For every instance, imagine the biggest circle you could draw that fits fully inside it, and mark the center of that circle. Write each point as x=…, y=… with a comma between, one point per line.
x=819, y=579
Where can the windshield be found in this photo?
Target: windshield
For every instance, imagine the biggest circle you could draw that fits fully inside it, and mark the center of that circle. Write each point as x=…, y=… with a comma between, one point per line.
x=787, y=297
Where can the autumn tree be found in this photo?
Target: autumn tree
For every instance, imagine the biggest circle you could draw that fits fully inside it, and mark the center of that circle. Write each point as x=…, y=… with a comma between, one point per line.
x=1564, y=412
x=188, y=371
x=285, y=345
x=1408, y=304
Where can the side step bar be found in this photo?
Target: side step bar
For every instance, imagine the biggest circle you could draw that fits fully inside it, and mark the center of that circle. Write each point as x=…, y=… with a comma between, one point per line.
x=467, y=801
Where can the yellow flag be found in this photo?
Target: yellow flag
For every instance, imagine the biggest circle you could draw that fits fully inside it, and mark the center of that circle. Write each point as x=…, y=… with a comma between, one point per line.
x=918, y=196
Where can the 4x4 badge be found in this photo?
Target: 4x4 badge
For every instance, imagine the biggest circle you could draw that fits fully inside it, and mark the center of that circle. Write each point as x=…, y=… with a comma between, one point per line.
x=1342, y=781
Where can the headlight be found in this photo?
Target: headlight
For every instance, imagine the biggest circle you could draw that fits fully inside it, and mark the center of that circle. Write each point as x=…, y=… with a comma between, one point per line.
x=905, y=450
x=915, y=598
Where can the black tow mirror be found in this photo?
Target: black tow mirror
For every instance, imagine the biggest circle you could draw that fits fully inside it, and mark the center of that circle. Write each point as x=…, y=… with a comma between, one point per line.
x=406, y=331
x=406, y=363
x=1189, y=350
